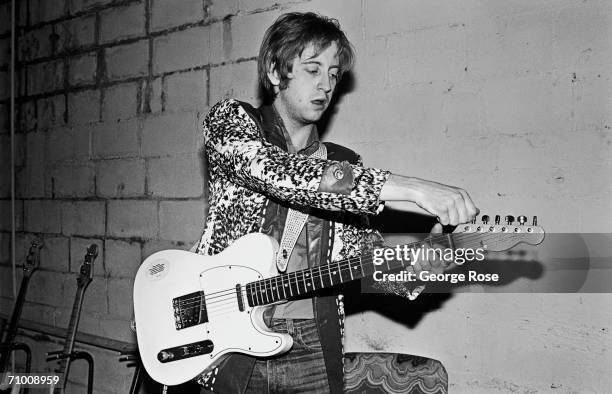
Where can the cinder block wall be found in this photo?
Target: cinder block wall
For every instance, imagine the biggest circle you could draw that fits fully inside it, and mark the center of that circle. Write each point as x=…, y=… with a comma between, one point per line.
x=510, y=100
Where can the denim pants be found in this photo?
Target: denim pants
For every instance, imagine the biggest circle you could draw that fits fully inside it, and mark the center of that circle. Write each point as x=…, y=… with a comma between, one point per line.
x=301, y=370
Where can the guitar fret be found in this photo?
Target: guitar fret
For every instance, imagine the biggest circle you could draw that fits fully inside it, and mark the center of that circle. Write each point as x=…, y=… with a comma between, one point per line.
x=351, y=270
x=312, y=280
x=277, y=291
x=331, y=280
x=321, y=277
x=340, y=272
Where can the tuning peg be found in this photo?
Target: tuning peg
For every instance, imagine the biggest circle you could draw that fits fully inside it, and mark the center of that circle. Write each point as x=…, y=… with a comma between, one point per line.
x=497, y=219
x=485, y=219
x=473, y=221
x=535, y=220
x=509, y=219
x=522, y=219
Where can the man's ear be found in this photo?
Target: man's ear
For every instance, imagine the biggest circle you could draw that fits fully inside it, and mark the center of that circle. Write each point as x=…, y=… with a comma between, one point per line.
x=273, y=75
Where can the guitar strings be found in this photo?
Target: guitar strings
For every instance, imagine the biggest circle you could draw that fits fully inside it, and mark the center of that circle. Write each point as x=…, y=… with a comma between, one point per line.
x=266, y=283
x=266, y=287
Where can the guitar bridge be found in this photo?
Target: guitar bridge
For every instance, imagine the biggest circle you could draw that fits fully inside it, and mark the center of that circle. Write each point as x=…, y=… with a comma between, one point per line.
x=189, y=310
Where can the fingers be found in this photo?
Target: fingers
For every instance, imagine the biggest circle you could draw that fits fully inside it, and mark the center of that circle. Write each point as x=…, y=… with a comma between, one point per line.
x=436, y=229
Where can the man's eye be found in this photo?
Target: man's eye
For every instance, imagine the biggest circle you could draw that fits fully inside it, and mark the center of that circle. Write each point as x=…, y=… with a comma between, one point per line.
x=334, y=76
x=313, y=71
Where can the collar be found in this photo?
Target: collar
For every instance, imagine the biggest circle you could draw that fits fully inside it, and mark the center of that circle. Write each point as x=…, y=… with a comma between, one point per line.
x=275, y=130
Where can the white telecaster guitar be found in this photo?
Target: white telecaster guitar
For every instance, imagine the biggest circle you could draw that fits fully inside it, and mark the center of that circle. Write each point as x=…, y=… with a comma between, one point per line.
x=191, y=311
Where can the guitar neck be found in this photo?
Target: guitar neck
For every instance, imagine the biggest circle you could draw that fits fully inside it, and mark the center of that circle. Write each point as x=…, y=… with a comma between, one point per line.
x=64, y=364
x=293, y=284
x=12, y=328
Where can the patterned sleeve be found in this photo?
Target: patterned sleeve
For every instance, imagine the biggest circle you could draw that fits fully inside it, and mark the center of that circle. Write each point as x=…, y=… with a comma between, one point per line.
x=233, y=143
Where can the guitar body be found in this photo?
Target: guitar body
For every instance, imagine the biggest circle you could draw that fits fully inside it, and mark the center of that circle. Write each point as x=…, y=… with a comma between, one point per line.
x=229, y=326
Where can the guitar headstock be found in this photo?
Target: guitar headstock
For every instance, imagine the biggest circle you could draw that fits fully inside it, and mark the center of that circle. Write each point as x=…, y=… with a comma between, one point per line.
x=497, y=237
x=86, y=270
x=32, y=261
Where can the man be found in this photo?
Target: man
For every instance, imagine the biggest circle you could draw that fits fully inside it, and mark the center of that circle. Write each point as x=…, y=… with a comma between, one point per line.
x=267, y=164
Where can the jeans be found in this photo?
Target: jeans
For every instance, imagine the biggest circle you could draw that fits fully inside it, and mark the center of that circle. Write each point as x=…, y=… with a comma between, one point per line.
x=301, y=370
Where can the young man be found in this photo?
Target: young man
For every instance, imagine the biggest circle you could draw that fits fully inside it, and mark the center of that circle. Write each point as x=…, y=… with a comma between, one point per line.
x=267, y=163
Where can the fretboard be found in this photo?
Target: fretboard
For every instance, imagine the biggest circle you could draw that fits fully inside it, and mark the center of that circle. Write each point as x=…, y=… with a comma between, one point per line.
x=294, y=284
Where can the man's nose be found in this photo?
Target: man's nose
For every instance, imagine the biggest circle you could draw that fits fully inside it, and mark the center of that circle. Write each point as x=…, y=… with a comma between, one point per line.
x=325, y=83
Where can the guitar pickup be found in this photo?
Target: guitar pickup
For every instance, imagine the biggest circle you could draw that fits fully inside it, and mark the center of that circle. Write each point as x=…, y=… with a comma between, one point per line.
x=189, y=310
x=239, y=297
x=185, y=351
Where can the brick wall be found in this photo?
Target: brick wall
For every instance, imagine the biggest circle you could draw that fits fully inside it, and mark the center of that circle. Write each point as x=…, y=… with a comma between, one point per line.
x=510, y=100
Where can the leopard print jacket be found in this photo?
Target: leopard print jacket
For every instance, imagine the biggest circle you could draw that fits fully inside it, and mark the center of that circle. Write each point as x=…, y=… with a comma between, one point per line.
x=245, y=170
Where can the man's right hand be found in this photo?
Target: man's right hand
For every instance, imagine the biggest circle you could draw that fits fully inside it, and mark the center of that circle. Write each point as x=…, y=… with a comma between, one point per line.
x=451, y=205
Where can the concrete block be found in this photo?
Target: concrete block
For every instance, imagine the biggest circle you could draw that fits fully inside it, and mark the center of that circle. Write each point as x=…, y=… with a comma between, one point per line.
x=54, y=256
x=35, y=43
x=133, y=218
x=181, y=50
x=5, y=51
x=5, y=85
x=6, y=280
x=118, y=139
x=170, y=134
x=71, y=180
x=26, y=116
x=247, y=33
x=4, y=118
x=51, y=112
x=43, y=10
x=120, y=298
x=186, y=91
x=250, y=6
x=529, y=104
x=5, y=249
x=34, y=181
x=75, y=33
x=5, y=18
x=42, y=216
x=591, y=103
x=119, y=330
x=156, y=96
x=47, y=288
x=429, y=55
x=96, y=297
x=163, y=179
x=120, y=178
x=120, y=102
x=67, y=143
x=156, y=245
x=84, y=107
x=122, y=22
x=82, y=69
x=45, y=77
x=181, y=220
x=84, y=218
x=122, y=258
x=220, y=41
x=125, y=61
x=76, y=6
x=165, y=15
x=581, y=39
x=237, y=81
x=5, y=215
x=220, y=9
x=78, y=251
x=39, y=313
x=397, y=16
x=510, y=45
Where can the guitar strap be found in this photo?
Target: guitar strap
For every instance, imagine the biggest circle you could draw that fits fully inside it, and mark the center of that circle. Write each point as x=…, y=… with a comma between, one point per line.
x=294, y=223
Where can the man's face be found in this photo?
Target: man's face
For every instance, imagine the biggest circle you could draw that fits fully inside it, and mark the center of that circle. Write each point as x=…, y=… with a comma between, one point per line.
x=311, y=84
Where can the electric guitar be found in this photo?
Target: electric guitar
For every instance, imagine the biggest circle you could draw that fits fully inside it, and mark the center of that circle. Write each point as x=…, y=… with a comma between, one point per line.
x=31, y=264
x=192, y=311
x=65, y=355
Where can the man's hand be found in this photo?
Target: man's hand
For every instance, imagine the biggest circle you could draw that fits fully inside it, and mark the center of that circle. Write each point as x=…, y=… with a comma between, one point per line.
x=423, y=264
x=450, y=204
